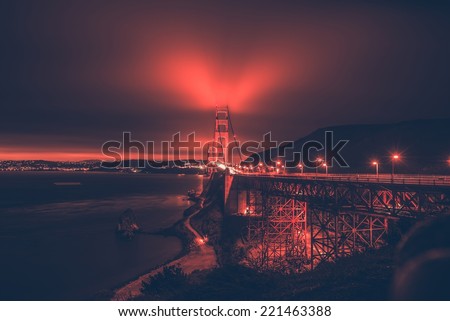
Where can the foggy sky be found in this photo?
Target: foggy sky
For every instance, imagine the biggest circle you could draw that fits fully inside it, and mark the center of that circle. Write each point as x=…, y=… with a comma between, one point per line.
x=78, y=73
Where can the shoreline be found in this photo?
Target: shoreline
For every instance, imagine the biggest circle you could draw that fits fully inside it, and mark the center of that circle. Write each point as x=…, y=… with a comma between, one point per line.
x=193, y=256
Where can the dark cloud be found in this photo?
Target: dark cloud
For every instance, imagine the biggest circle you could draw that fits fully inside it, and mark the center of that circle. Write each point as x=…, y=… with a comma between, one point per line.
x=77, y=73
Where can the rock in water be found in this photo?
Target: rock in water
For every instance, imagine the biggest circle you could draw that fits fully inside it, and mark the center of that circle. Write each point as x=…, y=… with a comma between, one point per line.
x=193, y=196
x=127, y=226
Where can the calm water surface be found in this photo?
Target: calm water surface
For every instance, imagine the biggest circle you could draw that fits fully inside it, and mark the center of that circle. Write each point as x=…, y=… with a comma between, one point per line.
x=57, y=241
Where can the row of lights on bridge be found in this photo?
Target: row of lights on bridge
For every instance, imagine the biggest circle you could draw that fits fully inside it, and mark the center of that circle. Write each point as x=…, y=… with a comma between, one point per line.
x=394, y=158
x=279, y=167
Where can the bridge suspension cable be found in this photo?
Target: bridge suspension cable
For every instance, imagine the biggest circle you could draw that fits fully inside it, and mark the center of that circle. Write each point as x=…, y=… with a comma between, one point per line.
x=234, y=136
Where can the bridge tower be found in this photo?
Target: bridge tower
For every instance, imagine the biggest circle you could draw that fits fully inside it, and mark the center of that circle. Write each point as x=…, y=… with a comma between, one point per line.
x=218, y=152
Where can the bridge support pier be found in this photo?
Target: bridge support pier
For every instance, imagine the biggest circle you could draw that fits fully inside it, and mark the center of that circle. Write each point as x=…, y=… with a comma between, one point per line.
x=279, y=237
x=241, y=201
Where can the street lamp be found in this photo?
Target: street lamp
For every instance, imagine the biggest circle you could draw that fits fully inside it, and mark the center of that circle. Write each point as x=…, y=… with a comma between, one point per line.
x=326, y=168
x=376, y=167
x=318, y=161
x=301, y=168
x=395, y=158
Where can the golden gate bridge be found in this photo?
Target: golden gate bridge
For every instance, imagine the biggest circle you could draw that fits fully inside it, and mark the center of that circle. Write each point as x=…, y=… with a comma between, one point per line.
x=297, y=221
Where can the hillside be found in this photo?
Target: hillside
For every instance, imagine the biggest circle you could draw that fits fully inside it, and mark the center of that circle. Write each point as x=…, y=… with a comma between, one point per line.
x=424, y=146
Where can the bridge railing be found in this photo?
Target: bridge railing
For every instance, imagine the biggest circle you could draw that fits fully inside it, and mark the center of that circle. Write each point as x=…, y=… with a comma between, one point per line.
x=435, y=180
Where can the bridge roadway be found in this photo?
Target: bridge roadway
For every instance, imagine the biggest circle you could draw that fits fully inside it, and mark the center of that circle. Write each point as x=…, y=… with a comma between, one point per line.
x=399, y=179
x=405, y=195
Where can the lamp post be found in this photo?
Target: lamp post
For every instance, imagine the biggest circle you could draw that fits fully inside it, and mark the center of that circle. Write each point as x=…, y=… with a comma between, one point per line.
x=376, y=167
x=395, y=157
x=260, y=167
x=318, y=161
x=326, y=168
x=278, y=167
x=301, y=168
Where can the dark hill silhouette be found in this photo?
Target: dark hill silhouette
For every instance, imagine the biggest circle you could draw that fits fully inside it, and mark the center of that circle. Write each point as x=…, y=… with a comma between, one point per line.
x=424, y=146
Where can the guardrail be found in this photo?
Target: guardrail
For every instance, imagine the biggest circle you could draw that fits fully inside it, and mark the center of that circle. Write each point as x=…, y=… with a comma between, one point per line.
x=433, y=180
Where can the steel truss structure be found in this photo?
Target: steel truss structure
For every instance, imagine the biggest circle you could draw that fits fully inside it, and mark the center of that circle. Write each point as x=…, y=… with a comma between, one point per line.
x=279, y=237
x=335, y=235
x=296, y=224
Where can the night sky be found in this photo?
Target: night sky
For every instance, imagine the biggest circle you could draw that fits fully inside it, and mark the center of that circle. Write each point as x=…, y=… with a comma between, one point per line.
x=77, y=73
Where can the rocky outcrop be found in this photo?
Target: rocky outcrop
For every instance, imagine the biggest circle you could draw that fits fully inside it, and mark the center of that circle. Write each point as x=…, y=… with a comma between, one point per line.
x=127, y=226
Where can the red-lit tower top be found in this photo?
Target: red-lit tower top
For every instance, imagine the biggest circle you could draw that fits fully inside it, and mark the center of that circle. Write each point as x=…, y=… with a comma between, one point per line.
x=221, y=136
